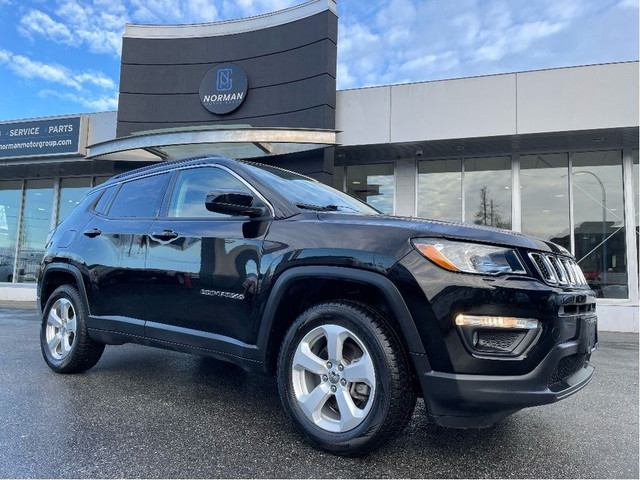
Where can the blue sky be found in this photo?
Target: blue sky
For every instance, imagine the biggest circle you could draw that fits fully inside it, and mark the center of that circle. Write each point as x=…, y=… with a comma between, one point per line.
x=63, y=56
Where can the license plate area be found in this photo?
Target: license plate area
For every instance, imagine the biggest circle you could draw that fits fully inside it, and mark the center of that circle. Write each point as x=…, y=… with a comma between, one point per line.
x=589, y=336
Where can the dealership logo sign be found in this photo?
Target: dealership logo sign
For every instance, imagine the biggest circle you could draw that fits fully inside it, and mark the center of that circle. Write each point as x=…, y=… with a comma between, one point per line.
x=223, y=88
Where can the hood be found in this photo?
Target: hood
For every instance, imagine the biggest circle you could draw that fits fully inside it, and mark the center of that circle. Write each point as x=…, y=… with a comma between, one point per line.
x=418, y=227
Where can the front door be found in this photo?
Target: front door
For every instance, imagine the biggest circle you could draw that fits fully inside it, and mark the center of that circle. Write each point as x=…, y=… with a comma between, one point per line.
x=203, y=266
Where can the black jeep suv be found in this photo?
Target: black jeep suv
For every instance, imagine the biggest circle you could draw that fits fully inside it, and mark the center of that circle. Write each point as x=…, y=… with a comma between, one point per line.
x=355, y=312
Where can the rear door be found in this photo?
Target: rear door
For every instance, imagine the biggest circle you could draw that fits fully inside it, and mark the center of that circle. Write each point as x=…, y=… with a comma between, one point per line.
x=203, y=266
x=114, y=246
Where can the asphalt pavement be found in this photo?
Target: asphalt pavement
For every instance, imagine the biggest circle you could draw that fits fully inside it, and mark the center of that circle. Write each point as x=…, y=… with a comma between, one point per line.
x=143, y=412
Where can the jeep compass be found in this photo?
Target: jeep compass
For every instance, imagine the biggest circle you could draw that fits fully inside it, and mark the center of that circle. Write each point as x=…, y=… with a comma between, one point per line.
x=354, y=312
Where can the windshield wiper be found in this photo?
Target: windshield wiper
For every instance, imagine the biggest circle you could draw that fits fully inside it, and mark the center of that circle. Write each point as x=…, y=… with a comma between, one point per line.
x=318, y=208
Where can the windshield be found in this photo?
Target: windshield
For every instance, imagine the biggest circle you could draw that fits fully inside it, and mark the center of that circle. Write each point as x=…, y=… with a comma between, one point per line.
x=309, y=194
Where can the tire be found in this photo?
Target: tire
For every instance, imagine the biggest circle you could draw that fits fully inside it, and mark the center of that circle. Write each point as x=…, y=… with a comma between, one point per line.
x=64, y=340
x=362, y=402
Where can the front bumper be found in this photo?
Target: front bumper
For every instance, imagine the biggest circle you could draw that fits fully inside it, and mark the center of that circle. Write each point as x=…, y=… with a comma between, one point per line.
x=473, y=401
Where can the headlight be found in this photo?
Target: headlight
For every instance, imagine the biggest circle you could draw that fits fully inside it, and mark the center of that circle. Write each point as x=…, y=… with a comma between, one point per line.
x=470, y=257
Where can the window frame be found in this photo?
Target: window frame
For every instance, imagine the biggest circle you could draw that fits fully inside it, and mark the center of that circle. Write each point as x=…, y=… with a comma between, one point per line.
x=164, y=209
x=108, y=214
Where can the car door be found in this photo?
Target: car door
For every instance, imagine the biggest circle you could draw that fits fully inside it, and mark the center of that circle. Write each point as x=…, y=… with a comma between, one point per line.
x=203, y=267
x=114, y=248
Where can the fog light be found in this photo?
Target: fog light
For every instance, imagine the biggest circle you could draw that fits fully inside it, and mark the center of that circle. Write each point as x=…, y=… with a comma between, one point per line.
x=496, y=322
x=488, y=336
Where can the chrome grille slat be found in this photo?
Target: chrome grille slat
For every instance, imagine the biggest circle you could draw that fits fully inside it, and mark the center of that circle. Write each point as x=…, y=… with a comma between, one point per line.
x=558, y=270
x=569, y=270
x=541, y=266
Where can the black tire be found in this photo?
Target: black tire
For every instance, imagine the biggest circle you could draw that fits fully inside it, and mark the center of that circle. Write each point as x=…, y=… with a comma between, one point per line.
x=83, y=353
x=393, y=400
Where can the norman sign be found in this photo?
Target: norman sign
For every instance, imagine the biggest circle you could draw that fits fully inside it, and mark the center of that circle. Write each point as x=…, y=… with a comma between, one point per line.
x=40, y=138
x=223, y=88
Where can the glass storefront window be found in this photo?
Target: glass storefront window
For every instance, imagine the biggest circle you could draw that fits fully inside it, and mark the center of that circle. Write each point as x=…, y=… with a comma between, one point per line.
x=36, y=224
x=10, y=200
x=636, y=200
x=440, y=189
x=487, y=191
x=599, y=229
x=373, y=184
x=72, y=190
x=338, y=178
x=544, y=191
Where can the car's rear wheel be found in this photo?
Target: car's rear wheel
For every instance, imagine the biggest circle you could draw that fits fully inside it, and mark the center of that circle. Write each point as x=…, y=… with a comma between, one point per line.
x=64, y=340
x=344, y=378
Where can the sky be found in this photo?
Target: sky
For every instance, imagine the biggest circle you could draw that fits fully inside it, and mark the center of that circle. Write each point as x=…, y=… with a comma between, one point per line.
x=61, y=57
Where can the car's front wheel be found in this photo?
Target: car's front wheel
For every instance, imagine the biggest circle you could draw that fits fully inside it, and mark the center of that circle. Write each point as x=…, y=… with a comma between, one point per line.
x=344, y=378
x=64, y=340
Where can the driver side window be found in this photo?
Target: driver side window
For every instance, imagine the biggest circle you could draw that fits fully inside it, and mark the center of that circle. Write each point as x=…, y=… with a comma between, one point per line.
x=192, y=187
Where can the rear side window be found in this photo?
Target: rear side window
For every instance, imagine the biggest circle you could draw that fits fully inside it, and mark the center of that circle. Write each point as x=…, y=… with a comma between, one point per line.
x=103, y=203
x=140, y=198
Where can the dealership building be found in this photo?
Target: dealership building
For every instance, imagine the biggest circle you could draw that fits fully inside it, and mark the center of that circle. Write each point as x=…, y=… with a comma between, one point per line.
x=550, y=153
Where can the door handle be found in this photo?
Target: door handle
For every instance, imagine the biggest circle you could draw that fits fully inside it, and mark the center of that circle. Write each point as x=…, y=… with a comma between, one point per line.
x=164, y=235
x=92, y=232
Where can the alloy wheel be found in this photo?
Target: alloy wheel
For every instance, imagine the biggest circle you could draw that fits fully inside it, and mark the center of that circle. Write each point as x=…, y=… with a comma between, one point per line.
x=334, y=379
x=61, y=328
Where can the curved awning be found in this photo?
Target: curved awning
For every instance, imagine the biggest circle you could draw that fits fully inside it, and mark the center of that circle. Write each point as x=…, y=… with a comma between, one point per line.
x=229, y=141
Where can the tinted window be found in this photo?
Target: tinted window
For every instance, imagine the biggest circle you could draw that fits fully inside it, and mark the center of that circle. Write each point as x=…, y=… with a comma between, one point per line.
x=105, y=199
x=140, y=198
x=192, y=188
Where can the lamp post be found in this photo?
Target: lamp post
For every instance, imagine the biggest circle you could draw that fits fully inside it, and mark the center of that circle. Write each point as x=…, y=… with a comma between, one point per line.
x=604, y=221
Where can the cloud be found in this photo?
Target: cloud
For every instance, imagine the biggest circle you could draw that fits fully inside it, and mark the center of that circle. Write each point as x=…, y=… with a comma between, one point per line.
x=515, y=39
x=98, y=25
x=98, y=79
x=173, y=11
x=31, y=69
x=92, y=102
x=83, y=84
x=395, y=41
x=247, y=8
x=37, y=22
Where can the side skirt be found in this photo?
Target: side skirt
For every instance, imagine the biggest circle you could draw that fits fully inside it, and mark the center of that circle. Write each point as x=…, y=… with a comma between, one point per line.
x=120, y=331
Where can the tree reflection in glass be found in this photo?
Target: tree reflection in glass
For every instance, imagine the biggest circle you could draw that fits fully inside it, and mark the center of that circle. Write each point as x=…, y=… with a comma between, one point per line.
x=487, y=191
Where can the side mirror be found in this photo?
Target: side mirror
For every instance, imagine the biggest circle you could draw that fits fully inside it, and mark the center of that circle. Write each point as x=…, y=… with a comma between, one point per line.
x=234, y=202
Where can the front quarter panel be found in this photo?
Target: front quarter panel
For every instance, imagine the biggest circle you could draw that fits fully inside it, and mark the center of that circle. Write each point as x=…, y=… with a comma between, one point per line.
x=435, y=296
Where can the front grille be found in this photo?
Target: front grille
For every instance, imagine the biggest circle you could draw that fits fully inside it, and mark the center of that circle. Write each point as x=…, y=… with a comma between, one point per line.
x=567, y=366
x=558, y=270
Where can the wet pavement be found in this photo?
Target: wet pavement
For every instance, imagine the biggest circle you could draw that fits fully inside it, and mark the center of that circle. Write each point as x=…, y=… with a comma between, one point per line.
x=143, y=412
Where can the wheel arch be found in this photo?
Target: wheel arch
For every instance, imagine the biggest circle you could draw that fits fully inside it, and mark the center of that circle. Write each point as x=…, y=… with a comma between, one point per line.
x=57, y=274
x=289, y=298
